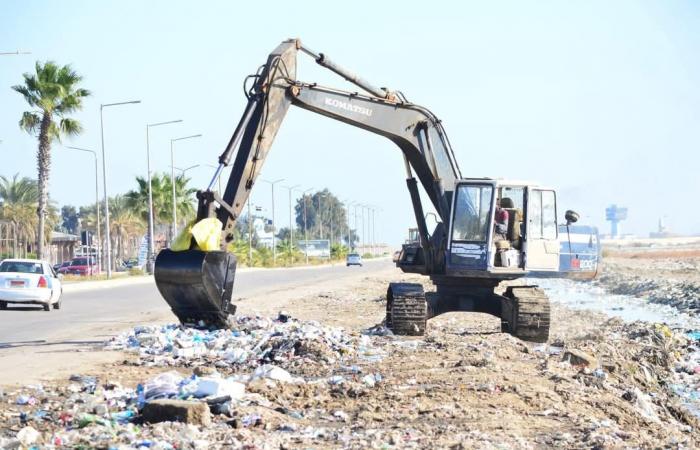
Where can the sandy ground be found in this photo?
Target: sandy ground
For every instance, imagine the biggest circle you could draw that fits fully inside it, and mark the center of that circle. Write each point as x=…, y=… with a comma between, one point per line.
x=463, y=385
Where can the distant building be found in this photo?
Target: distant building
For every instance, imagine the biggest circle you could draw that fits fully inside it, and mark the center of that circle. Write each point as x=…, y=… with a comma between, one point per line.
x=662, y=231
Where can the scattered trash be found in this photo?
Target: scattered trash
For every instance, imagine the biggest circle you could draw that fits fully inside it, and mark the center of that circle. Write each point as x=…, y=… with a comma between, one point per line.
x=274, y=373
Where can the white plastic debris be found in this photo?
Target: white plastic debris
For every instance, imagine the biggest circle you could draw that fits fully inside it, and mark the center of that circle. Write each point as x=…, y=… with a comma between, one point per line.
x=27, y=436
x=218, y=387
x=273, y=373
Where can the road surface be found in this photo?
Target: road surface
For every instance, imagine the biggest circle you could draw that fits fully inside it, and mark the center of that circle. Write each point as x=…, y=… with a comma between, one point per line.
x=33, y=340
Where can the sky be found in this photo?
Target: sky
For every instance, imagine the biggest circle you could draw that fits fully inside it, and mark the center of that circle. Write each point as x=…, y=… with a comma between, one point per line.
x=599, y=100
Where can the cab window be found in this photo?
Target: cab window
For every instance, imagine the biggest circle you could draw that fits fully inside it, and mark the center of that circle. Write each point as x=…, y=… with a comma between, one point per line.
x=472, y=213
x=543, y=215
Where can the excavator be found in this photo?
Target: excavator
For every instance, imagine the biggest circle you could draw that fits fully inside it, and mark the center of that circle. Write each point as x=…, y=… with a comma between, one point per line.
x=467, y=255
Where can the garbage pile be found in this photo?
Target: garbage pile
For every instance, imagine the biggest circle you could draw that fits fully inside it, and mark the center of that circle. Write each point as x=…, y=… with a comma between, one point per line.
x=217, y=401
x=304, y=346
x=664, y=281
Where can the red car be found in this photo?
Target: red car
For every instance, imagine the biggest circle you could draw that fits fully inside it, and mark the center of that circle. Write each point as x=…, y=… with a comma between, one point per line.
x=80, y=266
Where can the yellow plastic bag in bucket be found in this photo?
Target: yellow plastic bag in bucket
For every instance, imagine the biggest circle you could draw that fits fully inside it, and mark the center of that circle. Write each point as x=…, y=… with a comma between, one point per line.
x=182, y=241
x=207, y=233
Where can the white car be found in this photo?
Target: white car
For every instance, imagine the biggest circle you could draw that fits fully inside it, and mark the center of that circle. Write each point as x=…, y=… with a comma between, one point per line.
x=353, y=259
x=29, y=281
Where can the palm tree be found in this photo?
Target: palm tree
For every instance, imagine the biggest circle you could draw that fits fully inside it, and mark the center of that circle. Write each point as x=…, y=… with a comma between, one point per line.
x=19, y=197
x=123, y=224
x=53, y=92
x=184, y=199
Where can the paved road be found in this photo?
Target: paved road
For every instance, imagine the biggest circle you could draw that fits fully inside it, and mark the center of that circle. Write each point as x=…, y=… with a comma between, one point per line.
x=119, y=304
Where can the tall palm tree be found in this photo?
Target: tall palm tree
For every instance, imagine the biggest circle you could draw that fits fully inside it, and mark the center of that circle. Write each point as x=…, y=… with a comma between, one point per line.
x=53, y=92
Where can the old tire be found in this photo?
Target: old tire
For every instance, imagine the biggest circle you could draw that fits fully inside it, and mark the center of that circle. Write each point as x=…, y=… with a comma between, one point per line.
x=406, y=309
x=525, y=313
x=3, y=305
x=57, y=305
x=47, y=307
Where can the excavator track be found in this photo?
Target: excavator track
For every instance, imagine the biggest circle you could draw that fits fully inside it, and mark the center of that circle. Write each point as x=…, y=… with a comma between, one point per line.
x=525, y=313
x=406, y=309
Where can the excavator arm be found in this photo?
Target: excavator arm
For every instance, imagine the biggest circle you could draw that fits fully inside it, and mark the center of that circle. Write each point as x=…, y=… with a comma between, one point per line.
x=198, y=285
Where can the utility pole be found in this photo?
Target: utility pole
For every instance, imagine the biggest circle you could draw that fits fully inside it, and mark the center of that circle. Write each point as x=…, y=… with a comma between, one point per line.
x=291, y=226
x=347, y=219
x=374, y=236
x=173, y=232
x=98, y=247
x=250, y=236
x=151, y=219
x=358, y=234
x=108, y=246
x=306, y=236
x=320, y=214
x=274, y=243
x=330, y=208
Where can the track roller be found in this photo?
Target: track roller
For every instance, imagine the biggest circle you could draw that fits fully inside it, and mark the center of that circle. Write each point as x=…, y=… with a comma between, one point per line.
x=406, y=309
x=525, y=313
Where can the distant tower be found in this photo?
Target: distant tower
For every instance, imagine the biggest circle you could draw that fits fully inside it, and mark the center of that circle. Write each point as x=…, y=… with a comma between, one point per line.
x=615, y=214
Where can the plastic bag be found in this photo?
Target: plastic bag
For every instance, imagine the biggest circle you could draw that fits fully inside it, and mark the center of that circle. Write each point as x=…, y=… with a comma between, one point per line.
x=182, y=241
x=207, y=233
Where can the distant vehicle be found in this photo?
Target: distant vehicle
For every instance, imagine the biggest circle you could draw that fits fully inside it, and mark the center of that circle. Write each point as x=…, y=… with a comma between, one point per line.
x=29, y=281
x=353, y=259
x=80, y=266
x=59, y=266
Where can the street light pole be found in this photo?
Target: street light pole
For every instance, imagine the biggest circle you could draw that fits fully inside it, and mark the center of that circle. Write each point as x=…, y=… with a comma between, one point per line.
x=347, y=219
x=274, y=246
x=306, y=237
x=183, y=171
x=151, y=219
x=172, y=182
x=358, y=234
x=108, y=246
x=291, y=227
x=97, y=204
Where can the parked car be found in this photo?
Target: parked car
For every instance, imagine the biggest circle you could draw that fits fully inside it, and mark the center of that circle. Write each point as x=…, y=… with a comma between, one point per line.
x=59, y=266
x=353, y=259
x=81, y=265
x=29, y=281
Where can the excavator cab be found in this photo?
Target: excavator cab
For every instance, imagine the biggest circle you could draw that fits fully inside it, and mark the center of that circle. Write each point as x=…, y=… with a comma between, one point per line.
x=500, y=228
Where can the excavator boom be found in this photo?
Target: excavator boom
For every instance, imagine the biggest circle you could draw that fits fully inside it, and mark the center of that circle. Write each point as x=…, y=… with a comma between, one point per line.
x=197, y=284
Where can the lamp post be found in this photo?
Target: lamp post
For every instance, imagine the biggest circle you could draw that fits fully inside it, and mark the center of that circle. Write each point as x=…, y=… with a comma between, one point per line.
x=108, y=244
x=291, y=227
x=97, y=202
x=355, y=204
x=183, y=171
x=274, y=246
x=306, y=237
x=320, y=213
x=172, y=181
x=151, y=219
x=347, y=219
